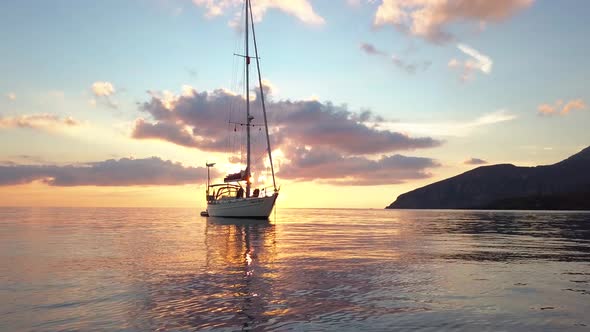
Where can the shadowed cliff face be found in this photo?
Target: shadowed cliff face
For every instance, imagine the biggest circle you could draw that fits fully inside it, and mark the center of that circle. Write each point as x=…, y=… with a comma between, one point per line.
x=564, y=185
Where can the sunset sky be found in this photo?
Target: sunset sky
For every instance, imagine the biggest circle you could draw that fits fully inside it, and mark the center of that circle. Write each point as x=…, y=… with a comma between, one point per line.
x=121, y=103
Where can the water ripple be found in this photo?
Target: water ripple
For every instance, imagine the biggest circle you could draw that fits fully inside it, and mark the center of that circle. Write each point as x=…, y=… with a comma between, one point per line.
x=344, y=270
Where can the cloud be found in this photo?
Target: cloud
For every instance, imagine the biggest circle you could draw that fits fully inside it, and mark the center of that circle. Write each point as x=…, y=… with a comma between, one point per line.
x=475, y=161
x=103, y=91
x=122, y=172
x=476, y=62
x=299, y=130
x=493, y=118
x=482, y=62
x=331, y=167
x=11, y=96
x=371, y=49
x=409, y=68
x=561, y=108
x=577, y=104
x=400, y=63
x=428, y=19
x=200, y=120
x=166, y=131
x=23, y=158
x=30, y=158
x=43, y=121
x=192, y=72
x=451, y=129
x=301, y=9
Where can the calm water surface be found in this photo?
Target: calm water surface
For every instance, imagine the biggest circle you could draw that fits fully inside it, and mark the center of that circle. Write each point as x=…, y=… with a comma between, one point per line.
x=169, y=269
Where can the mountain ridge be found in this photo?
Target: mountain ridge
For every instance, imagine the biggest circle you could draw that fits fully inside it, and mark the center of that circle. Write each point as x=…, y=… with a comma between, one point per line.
x=563, y=185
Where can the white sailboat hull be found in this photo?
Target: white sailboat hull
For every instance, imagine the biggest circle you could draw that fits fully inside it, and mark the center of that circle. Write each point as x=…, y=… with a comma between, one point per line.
x=252, y=207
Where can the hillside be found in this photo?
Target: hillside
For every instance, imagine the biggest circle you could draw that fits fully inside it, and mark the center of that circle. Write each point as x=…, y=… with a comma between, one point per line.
x=564, y=185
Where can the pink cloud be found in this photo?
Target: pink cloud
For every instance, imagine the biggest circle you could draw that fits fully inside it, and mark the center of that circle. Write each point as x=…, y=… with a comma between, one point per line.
x=559, y=107
x=301, y=9
x=43, y=121
x=428, y=18
x=577, y=104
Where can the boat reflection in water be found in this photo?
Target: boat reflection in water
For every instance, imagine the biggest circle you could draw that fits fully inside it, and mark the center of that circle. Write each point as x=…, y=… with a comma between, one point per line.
x=240, y=255
x=231, y=288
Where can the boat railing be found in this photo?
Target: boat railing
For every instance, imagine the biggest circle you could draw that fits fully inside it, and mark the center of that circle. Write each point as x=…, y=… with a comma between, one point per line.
x=266, y=192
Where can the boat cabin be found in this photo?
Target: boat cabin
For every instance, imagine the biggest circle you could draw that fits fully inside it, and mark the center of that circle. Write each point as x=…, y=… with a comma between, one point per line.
x=218, y=192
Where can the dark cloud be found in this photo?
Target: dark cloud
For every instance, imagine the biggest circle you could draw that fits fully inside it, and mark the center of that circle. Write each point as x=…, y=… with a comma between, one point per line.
x=475, y=161
x=371, y=49
x=331, y=167
x=325, y=125
x=163, y=130
x=319, y=140
x=310, y=123
x=403, y=64
x=122, y=172
x=192, y=72
x=410, y=67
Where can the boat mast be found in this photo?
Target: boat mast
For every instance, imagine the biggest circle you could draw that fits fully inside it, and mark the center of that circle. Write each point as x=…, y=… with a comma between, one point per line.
x=248, y=118
x=209, y=165
x=262, y=98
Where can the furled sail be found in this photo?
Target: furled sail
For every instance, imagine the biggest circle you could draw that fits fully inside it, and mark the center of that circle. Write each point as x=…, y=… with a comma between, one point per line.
x=240, y=176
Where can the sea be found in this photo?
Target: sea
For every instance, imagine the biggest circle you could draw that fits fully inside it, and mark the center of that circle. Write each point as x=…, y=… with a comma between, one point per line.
x=151, y=269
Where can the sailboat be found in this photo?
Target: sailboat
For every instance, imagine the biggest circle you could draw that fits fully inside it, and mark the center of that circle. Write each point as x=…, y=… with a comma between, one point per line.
x=234, y=197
